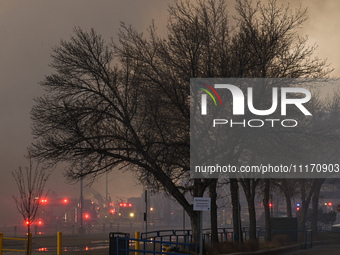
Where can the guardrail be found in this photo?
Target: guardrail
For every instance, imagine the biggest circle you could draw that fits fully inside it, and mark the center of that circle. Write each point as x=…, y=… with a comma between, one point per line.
x=28, y=241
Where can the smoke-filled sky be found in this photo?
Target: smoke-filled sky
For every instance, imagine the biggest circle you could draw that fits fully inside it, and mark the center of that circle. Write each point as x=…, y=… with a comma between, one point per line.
x=28, y=31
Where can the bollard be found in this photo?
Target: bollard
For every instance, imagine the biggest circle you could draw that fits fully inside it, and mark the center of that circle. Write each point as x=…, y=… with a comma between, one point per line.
x=30, y=244
x=1, y=242
x=137, y=236
x=59, y=243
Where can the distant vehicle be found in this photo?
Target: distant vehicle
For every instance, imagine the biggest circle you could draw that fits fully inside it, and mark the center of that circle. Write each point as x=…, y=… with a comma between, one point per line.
x=126, y=212
x=66, y=211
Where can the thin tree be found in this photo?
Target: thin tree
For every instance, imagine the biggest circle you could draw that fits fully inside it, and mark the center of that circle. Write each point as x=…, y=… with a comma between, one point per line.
x=31, y=182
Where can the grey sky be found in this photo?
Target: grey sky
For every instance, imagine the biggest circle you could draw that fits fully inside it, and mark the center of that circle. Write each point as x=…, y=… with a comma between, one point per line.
x=28, y=31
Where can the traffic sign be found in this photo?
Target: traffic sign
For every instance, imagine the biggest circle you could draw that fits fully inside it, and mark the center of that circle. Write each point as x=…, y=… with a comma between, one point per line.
x=338, y=207
x=202, y=203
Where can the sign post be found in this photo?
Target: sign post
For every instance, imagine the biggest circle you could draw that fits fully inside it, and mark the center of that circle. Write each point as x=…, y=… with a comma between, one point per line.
x=201, y=204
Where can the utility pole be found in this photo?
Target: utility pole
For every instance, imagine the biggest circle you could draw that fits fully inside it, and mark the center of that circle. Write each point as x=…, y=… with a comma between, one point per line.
x=81, y=229
x=146, y=211
x=107, y=188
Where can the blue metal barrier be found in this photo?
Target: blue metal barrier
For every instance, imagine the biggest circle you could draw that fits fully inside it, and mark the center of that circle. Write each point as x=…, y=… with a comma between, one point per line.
x=190, y=247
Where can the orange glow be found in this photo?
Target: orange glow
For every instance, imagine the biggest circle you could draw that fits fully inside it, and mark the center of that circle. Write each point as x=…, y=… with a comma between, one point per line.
x=130, y=205
x=329, y=204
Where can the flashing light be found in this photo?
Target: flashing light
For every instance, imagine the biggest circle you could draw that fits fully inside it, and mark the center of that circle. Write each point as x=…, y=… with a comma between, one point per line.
x=125, y=205
x=132, y=215
x=298, y=204
x=87, y=216
x=329, y=204
x=40, y=222
x=270, y=205
x=27, y=222
x=298, y=208
x=112, y=211
x=43, y=201
x=65, y=200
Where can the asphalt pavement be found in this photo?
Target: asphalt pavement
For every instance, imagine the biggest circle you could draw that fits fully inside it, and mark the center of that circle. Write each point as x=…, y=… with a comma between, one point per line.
x=319, y=250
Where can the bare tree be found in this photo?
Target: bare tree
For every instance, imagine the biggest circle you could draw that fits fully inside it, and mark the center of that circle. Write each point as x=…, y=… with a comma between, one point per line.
x=31, y=182
x=136, y=115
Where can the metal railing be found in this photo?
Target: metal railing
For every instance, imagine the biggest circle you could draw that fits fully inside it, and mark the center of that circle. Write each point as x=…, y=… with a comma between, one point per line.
x=124, y=245
x=28, y=241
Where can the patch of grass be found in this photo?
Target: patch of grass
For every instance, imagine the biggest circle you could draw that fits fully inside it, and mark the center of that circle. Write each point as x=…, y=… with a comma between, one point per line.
x=230, y=247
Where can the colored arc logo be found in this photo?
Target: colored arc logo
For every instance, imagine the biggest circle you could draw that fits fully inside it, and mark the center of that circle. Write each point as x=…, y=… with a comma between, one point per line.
x=209, y=93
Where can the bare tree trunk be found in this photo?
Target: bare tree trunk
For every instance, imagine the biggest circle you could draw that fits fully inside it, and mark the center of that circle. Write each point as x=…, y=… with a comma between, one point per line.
x=195, y=220
x=252, y=219
x=315, y=204
x=249, y=187
x=28, y=239
x=236, y=210
x=266, y=195
x=213, y=211
x=288, y=204
x=306, y=185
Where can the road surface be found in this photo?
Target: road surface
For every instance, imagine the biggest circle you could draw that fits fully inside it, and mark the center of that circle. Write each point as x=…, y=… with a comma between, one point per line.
x=319, y=250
